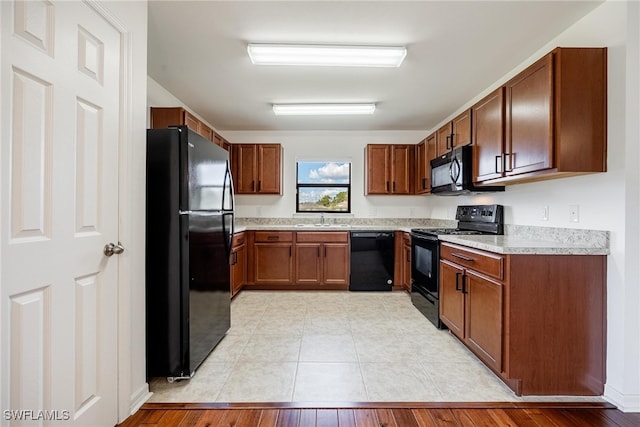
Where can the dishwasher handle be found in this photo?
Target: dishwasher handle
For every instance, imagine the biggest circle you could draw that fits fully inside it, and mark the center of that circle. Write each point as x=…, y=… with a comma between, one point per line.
x=370, y=234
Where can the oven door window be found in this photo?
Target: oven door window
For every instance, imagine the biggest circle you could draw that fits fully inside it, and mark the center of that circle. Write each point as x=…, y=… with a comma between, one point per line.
x=425, y=267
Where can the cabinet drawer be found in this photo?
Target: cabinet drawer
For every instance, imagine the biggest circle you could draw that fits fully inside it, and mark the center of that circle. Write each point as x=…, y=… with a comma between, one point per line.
x=238, y=239
x=273, y=236
x=322, y=237
x=483, y=262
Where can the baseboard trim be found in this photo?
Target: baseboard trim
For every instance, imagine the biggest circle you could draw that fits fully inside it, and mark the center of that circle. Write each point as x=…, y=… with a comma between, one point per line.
x=139, y=398
x=624, y=402
x=378, y=405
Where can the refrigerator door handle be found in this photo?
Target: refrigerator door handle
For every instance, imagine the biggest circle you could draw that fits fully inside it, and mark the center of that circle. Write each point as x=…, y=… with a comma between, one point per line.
x=228, y=185
x=228, y=234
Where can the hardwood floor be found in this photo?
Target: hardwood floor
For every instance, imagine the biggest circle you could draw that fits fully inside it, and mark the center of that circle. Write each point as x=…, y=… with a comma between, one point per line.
x=382, y=415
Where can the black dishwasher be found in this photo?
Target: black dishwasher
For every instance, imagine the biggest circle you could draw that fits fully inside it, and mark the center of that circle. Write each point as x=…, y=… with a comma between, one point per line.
x=372, y=260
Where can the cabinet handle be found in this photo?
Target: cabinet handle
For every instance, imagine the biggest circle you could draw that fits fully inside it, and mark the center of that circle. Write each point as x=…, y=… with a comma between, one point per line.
x=499, y=161
x=273, y=237
x=458, y=288
x=387, y=186
x=511, y=157
x=259, y=185
x=318, y=251
x=290, y=252
x=394, y=186
x=424, y=183
x=253, y=186
x=464, y=284
x=462, y=257
x=449, y=141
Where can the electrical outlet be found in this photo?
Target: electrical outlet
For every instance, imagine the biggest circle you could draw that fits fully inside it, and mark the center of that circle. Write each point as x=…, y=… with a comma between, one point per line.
x=574, y=213
x=544, y=213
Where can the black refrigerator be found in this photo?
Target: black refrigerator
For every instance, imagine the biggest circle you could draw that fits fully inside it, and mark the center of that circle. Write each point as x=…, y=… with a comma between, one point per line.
x=189, y=231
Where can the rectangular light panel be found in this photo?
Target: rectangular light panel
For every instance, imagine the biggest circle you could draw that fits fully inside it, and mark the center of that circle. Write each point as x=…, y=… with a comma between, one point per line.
x=322, y=109
x=326, y=55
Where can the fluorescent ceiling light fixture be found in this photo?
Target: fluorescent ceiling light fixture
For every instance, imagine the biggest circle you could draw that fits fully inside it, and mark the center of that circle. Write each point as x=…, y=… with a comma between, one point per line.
x=322, y=109
x=326, y=55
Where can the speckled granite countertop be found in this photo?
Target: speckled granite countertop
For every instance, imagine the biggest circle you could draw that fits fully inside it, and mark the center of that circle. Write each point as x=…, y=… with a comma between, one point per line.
x=517, y=245
x=516, y=240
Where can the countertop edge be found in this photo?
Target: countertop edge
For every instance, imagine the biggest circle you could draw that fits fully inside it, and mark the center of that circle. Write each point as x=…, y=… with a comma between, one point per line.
x=506, y=245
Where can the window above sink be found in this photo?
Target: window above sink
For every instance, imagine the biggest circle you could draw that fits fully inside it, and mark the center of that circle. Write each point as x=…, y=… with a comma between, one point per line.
x=323, y=186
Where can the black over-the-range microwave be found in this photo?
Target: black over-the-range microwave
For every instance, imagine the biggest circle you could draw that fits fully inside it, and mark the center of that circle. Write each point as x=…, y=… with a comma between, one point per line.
x=452, y=174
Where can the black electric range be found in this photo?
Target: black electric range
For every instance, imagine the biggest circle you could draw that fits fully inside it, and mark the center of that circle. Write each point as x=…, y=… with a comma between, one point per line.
x=425, y=253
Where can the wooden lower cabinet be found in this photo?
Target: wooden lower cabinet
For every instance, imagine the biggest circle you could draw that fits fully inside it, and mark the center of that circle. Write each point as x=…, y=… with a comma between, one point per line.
x=402, y=266
x=238, y=263
x=538, y=321
x=322, y=258
x=272, y=258
x=298, y=260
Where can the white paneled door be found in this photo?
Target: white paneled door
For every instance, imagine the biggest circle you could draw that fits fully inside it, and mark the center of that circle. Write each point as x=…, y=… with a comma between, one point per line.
x=60, y=106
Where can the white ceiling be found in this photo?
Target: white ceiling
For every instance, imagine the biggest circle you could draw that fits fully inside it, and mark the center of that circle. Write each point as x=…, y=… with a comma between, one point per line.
x=456, y=49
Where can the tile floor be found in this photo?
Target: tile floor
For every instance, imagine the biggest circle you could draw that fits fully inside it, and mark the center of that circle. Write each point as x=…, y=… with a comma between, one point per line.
x=335, y=346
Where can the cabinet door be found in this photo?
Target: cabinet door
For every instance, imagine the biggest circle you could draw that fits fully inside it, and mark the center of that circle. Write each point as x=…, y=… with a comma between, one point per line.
x=336, y=264
x=402, y=160
x=273, y=263
x=483, y=315
x=378, y=169
x=268, y=168
x=443, y=140
x=529, y=133
x=406, y=271
x=425, y=152
x=461, y=130
x=488, y=137
x=451, y=297
x=192, y=122
x=308, y=263
x=238, y=268
x=422, y=169
x=243, y=168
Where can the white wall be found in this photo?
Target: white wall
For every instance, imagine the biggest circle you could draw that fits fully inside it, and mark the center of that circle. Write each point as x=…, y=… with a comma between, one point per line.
x=607, y=201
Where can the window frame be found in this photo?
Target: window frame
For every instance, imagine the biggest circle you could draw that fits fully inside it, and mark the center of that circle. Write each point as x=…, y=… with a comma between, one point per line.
x=346, y=186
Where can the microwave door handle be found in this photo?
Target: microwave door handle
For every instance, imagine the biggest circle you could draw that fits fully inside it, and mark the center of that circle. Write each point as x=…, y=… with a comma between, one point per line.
x=454, y=172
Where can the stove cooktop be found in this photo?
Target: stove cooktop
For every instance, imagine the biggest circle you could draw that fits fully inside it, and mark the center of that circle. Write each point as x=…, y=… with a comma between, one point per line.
x=442, y=231
x=472, y=219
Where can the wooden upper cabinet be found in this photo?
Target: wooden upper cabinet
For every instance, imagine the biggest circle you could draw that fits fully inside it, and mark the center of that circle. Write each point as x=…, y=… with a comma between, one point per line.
x=443, y=140
x=390, y=168
x=222, y=142
x=488, y=137
x=530, y=119
x=425, y=152
x=454, y=134
x=378, y=158
x=556, y=112
x=192, y=122
x=162, y=117
x=269, y=168
x=256, y=168
x=461, y=129
x=402, y=169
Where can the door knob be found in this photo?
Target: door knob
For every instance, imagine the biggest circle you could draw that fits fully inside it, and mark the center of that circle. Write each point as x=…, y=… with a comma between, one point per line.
x=111, y=249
